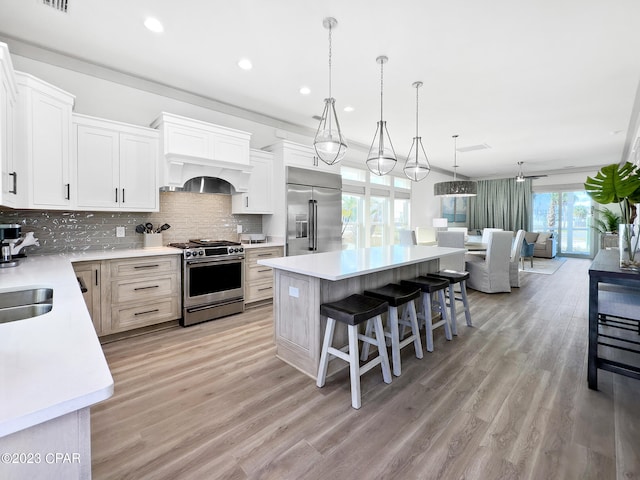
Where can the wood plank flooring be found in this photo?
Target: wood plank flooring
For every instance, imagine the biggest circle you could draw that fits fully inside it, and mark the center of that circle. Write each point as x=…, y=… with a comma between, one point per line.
x=506, y=399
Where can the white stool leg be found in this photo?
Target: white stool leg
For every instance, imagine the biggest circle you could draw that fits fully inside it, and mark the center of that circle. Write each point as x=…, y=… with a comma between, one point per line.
x=395, y=340
x=365, y=347
x=452, y=304
x=413, y=318
x=443, y=312
x=382, y=350
x=428, y=323
x=465, y=302
x=354, y=366
x=324, y=355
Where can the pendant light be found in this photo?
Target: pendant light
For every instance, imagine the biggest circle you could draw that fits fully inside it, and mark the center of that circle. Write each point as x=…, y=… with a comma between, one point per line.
x=417, y=165
x=329, y=143
x=382, y=157
x=456, y=188
x=520, y=176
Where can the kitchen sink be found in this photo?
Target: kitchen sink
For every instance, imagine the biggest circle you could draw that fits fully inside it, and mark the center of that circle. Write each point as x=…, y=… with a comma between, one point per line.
x=23, y=304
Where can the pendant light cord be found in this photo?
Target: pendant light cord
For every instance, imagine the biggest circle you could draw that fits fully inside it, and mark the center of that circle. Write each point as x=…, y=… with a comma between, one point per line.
x=330, y=60
x=455, y=157
x=417, y=88
x=381, y=88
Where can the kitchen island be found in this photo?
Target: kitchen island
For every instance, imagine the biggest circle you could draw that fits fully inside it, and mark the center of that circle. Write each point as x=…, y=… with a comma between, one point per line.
x=303, y=282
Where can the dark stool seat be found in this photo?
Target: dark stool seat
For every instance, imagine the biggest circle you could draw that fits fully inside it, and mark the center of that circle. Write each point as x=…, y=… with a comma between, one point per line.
x=352, y=311
x=432, y=285
x=397, y=296
x=455, y=277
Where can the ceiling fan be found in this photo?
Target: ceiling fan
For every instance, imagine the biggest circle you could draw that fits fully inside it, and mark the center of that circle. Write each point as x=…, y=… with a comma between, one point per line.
x=520, y=177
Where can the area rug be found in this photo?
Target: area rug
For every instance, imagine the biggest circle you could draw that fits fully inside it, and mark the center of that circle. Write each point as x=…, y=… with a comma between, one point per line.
x=546, y=266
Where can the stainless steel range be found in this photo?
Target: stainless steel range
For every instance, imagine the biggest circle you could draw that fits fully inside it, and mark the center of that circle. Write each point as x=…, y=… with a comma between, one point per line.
x=212, y=279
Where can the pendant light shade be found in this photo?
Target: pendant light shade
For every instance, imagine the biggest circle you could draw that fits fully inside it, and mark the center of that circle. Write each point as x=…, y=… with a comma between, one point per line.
x=329, y=143
x=456, y=188
x=417, y=165
x=382, y=157
x=520, y=175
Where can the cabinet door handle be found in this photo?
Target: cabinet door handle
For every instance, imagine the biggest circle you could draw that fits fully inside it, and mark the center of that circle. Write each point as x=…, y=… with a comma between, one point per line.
x=146, y=266
x=246, y=202
x=146, y=288
x=147, y=312
x=83, y=288
x=68, y=187
x=96, y=277
x=116, y=195
x=15, y=183
x=123, y=195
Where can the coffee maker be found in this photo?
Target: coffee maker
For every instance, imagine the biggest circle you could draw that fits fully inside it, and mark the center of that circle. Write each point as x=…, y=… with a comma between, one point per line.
x=9, y=234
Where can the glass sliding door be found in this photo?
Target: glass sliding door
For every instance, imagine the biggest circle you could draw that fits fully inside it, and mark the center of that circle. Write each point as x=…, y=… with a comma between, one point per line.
x=568, y=216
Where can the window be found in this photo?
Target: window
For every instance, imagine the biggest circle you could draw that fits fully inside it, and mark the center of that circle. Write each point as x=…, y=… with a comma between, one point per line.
x=374, y=208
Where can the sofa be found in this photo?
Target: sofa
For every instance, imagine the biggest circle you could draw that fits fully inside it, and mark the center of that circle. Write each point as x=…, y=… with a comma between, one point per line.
x=545, y=245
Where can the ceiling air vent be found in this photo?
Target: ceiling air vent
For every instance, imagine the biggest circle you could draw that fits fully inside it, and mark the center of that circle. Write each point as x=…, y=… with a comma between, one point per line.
x=60, y=5
x=471, y=148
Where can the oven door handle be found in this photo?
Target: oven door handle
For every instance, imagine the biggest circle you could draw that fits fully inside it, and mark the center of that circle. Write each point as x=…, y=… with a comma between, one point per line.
x=212, y=262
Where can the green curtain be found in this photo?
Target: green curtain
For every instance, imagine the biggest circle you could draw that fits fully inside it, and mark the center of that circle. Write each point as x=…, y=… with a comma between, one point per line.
x=502, y=203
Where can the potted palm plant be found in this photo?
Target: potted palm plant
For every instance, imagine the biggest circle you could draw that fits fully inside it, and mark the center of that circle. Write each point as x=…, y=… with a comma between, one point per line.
x=620, y=184
x=606, y=224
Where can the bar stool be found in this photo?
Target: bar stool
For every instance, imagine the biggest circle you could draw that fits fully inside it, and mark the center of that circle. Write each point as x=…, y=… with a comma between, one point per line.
x=454, y=277
x=429, y=285
x=353, y=311
x=397, y=296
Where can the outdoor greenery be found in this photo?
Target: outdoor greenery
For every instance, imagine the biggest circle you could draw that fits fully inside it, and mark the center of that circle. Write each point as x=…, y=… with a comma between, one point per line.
x=607, y=222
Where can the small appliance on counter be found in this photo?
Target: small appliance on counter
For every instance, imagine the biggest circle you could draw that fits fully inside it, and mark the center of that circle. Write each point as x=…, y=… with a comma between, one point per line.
x=12, y=241
x=253, y=238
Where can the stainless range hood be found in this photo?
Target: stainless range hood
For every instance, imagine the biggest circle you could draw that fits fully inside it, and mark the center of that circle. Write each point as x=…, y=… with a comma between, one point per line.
x=203, y=185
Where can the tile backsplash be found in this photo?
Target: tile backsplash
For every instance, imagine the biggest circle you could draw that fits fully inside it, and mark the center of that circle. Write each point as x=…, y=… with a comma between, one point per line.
x=191, y=215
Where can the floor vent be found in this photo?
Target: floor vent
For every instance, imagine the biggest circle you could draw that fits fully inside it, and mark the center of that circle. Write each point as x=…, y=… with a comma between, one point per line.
x=60, y=5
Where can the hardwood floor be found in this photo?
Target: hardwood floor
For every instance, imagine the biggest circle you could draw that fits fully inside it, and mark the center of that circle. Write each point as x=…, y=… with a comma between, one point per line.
x=506, y=399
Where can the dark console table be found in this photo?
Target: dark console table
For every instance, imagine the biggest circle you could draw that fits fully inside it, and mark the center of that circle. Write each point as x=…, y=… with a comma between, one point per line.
x=614, y=303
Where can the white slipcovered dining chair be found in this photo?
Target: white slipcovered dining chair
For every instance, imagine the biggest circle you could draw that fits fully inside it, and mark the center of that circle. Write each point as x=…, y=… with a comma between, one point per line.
x=453, y=239
x=407, y=237
x=487, y=231
x=491, y=274
x=514, y=263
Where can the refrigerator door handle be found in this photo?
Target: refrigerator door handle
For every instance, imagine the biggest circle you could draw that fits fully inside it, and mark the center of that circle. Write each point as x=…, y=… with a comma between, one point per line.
x=315, y=225
x=312, y=225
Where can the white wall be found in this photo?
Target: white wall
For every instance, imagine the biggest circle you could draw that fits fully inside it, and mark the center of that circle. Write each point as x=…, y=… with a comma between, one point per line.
x=424, y=205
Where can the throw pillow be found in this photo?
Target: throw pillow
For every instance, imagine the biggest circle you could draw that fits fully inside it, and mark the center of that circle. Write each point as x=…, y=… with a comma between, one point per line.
x=542, y=238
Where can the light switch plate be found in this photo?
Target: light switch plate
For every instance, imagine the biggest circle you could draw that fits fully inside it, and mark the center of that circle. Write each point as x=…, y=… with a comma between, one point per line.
x=239, y=229
x=119, y=232
x=294, y=292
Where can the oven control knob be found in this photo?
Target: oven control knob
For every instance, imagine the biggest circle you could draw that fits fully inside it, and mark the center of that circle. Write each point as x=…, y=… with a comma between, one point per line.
x=187, y=254
x=201, y=252
x=241, y=249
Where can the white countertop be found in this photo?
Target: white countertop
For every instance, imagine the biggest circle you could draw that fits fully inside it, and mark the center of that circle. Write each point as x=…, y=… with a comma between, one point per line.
x=53, y=364
x=343, y=264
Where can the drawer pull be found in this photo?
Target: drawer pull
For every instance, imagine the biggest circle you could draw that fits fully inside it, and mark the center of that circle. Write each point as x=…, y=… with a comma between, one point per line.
x=146, y=288
x=265, y=254
x=146, y=266
x=265, y=288
x=265, y=270
x=149, y=311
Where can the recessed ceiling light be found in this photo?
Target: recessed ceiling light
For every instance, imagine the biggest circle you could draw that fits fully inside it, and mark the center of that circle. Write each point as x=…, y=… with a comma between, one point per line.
x=349, y=108
x=305, y=90
x=154, y=25
x=245, y=64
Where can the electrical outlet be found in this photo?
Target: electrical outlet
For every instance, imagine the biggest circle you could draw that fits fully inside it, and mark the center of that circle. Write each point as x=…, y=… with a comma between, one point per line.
x=239, y=229
x=119, y=232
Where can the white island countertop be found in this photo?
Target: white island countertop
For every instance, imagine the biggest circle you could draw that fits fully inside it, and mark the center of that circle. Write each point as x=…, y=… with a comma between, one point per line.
x=343, y=264
x=53, y=364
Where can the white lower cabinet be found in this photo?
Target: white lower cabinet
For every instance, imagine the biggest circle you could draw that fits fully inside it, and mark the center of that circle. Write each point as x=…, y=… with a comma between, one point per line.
x=88, y=274
x=116, y=165
x=258, y=285
x=8, y=99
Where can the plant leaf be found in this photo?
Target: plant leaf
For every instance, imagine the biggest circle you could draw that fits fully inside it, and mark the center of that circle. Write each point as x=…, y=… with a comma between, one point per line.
x=614, y=183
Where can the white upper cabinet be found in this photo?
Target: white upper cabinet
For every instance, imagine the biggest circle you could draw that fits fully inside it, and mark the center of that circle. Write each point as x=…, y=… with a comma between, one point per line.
x=116, y=165
x=259, y=195
x=8, y=98
x=304, y=156
x=42, y=141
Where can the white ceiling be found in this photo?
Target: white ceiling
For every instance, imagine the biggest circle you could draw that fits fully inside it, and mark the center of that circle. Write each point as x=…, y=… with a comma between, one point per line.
x=548, y=82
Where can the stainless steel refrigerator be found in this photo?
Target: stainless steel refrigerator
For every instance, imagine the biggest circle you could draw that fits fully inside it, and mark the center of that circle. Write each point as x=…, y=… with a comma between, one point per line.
x=314, y=211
